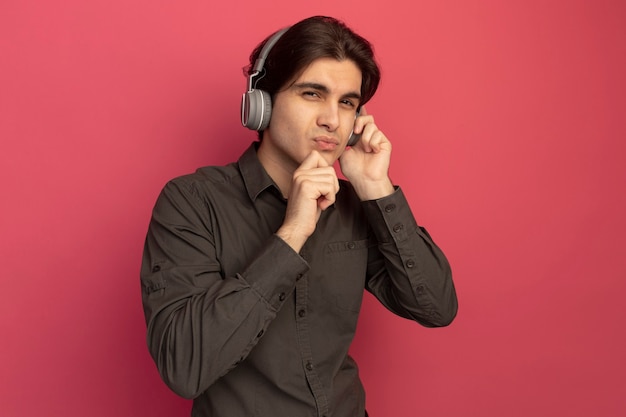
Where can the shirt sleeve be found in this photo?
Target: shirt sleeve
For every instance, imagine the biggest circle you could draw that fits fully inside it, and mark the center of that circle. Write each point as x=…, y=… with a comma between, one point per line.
x=201, y=324
x=407, y=272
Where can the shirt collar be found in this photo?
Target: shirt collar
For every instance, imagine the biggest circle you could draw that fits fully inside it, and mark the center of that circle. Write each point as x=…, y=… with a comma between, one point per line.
x=255, y=178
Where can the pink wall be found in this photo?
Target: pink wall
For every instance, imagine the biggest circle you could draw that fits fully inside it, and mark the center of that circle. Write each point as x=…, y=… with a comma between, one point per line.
x=508, y=121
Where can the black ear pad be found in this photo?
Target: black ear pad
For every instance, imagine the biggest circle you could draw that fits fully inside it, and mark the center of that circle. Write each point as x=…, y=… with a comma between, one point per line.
x=256, y=109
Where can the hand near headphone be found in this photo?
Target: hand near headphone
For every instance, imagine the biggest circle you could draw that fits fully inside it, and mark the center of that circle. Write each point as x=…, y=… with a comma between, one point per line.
x=366, y=164
x=314, y=186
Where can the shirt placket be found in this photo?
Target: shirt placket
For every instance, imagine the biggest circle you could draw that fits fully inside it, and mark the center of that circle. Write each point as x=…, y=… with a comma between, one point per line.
x=304, y=342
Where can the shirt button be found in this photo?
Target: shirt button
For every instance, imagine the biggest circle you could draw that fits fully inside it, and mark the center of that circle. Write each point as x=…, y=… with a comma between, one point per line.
x=302, y=313
x=389, y=208
x=282, y=296
x=351, y=245
x=410, y=263
x=260, y=334
x=309, y=366
x=156, y=268
x=420, y=290
x=398, y=228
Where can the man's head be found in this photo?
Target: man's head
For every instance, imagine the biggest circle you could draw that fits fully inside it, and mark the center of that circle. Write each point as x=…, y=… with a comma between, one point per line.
x=310, y=40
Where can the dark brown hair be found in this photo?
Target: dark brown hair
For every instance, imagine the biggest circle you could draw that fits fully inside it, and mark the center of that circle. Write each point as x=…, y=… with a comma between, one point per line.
x=310, y=39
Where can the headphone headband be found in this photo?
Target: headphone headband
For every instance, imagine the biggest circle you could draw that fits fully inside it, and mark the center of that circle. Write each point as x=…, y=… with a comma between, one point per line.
x=260, y=61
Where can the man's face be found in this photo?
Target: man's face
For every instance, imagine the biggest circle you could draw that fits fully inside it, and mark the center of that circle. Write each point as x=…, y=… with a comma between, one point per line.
x=314, y=112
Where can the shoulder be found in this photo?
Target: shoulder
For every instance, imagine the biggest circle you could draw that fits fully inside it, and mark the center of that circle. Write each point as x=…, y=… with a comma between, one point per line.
x=205, y=181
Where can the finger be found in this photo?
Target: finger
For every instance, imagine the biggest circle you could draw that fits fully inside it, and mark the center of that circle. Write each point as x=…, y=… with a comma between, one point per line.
x=314, y=175
x=370, y=130
x=319, y=177
x=313, y=160
x=378, y=142
x=324, y=202
x=362, y=121
x=327, y=196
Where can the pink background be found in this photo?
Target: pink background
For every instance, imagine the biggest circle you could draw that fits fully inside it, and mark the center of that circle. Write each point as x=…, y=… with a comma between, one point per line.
x=508, y=124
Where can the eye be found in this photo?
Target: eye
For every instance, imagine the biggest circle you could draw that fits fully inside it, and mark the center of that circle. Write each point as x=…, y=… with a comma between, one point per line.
x=310, y=94
x=349, y=103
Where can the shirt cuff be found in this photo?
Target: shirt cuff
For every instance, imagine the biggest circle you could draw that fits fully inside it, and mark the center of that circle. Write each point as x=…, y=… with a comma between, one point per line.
x=274, y=271
x=390, y=217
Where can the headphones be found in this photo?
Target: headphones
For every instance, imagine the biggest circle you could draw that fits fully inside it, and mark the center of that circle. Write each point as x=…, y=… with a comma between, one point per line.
x=256, y=105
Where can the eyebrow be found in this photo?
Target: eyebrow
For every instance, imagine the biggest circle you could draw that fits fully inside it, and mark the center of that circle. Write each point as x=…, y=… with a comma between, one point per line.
x=324, y=89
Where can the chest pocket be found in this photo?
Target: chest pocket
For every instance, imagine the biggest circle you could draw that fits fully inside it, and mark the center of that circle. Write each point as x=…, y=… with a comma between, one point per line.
x=345, y=264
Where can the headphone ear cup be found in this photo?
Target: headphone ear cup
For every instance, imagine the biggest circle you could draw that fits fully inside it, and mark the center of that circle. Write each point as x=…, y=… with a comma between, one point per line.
x=354, y=138
x=256, y=109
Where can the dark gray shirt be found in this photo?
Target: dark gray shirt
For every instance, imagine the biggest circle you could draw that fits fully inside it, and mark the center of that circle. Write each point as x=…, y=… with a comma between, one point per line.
x=246, y=326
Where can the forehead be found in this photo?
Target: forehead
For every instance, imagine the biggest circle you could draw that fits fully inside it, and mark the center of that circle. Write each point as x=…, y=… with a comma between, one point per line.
x=337, y=75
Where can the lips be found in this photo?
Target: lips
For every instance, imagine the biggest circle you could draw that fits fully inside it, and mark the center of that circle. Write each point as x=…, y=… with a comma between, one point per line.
x=326, y=144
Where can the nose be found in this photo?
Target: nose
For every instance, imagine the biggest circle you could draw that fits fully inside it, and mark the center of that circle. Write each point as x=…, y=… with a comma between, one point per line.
x=329, y=117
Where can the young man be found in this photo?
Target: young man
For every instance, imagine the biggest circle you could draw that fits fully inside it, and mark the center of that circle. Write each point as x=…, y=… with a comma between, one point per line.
x=253, y=273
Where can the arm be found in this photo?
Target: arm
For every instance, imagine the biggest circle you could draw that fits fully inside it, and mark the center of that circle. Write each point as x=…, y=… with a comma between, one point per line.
x=201, y=323
x=407, y=272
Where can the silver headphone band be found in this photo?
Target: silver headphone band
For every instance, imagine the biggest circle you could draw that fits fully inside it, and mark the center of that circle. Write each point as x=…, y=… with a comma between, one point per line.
x=260, y=61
